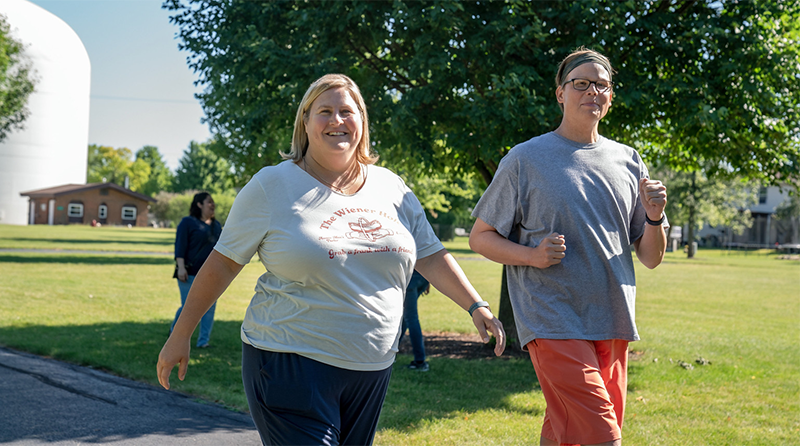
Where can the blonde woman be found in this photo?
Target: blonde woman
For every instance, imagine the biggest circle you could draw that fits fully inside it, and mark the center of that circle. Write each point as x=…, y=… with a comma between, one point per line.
x=339, y=238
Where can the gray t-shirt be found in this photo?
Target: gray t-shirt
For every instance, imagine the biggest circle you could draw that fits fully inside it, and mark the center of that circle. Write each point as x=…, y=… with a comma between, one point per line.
x=590, y=194
x=336, y=266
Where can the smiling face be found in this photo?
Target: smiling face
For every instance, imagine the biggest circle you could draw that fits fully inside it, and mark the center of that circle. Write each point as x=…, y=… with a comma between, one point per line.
x=589, y=106
x=207, y=208
x=333, y=124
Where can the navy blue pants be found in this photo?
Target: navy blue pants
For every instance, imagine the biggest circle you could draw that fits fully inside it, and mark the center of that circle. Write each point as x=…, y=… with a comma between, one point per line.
x=295, y=400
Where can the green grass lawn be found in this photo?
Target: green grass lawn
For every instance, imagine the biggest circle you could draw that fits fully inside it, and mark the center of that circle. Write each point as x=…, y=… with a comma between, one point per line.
x=87, y=238
x=741, y=312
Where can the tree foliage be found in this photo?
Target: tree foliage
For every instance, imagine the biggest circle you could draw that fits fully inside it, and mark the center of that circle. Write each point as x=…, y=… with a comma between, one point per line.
x=160, y=178
x=202, y=169
x=115, y=165
x=456, y=84
x=448, y=198
x=17, y=81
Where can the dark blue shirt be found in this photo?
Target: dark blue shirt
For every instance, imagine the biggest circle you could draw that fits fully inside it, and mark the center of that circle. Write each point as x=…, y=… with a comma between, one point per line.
x=194, y=241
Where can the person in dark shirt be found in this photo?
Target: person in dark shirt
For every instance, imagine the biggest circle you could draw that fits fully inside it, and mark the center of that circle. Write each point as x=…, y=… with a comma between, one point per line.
x=195, y=238
x=417, y=287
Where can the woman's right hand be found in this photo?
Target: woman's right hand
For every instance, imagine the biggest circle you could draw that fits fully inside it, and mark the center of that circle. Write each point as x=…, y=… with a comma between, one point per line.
x=175, y=352
x=183, y=275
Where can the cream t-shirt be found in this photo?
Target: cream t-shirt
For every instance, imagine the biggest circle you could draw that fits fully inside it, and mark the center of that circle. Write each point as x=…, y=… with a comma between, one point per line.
x=336, y=266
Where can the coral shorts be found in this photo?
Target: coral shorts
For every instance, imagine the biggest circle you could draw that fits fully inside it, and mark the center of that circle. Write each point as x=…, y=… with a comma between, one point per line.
x=584, y=384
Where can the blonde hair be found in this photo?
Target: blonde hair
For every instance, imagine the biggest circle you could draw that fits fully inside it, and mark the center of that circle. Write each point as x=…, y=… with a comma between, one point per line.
x=580, y=56
x=364, y=154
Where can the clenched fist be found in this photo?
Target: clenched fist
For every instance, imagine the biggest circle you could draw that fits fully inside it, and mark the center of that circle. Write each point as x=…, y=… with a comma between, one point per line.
x=654, y=197
x=550, y=251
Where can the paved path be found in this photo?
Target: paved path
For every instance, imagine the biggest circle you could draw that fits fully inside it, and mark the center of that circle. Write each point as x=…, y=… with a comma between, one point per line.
x=47, y=402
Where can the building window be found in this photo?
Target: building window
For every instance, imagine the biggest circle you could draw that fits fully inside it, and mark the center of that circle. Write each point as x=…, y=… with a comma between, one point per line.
x=102, y=211
x=104, y=191
x=128, y=213
x=75, y=210
x=762, y=195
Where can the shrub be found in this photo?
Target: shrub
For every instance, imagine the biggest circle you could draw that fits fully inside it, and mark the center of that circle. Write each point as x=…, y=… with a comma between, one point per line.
x=170, y=207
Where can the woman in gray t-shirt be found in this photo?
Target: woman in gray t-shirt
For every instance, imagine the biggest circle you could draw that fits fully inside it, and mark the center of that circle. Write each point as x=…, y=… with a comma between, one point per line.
x=574, y=308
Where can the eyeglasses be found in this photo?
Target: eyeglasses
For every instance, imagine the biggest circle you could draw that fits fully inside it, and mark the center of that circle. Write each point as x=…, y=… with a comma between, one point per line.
x=584, y=84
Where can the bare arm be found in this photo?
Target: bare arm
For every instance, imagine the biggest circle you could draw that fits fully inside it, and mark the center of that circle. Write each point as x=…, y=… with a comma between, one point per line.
x=212, y=280
x=444, y=273
x=182, y=273
x=485, y=240
x=650, y=248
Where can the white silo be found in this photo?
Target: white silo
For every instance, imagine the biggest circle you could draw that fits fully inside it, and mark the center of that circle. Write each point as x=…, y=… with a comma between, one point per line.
x=51, y=150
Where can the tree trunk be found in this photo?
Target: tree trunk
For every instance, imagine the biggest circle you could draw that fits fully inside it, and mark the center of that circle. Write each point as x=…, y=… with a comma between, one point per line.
x=692, y=211
x=690, y=236
x=506, y=314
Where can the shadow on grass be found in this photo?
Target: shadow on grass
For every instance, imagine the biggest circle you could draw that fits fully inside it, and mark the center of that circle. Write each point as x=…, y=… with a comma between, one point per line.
x=88, y=259
x=455, y=387
x=126, y=241
x=131, y=349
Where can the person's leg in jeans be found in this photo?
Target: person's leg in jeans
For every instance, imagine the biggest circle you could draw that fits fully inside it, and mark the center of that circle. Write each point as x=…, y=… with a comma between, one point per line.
x=206, y=323
x=411, y=316
x=184, y=288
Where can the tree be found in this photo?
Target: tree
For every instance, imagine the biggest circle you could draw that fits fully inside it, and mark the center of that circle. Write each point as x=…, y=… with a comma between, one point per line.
x=202, y=169
x=446, y=197
x=161, y=177
x=16, y=81
x=109, y=165
x=457, y=84
x=701, y=84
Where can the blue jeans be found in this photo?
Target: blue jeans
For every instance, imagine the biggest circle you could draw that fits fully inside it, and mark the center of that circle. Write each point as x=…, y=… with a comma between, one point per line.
x=416, y=287
x=205, y=323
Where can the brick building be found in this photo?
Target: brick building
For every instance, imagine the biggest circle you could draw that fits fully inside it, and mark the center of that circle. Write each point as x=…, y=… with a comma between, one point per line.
x=105, y=203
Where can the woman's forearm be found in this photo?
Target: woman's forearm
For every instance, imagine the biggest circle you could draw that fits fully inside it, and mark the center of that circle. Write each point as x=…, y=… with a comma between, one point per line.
x=444, y=273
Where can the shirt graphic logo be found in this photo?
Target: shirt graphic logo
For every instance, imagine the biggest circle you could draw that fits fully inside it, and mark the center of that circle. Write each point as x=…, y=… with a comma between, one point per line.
x=364, y=229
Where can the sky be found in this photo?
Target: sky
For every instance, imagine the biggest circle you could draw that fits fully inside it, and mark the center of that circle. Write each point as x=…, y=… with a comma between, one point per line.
x=142, y=90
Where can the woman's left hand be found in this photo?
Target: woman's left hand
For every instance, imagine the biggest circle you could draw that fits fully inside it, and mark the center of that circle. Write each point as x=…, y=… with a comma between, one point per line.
x=485, y=321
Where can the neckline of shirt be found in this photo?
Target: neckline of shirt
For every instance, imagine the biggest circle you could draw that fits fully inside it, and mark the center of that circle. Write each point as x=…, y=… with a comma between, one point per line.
x=593, y=145
x=364, y=171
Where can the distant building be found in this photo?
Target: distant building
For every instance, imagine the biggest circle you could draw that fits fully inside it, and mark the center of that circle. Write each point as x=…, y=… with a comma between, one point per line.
x=105, y=203
x=767, y=229
x=52, y=146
